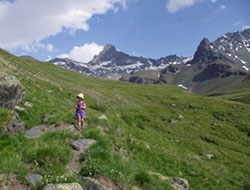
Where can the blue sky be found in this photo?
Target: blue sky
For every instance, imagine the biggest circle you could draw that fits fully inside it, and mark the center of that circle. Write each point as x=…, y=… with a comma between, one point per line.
x=149, y=28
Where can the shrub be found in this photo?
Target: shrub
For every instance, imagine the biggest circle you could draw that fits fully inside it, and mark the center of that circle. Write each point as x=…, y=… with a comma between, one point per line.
x=90, y=167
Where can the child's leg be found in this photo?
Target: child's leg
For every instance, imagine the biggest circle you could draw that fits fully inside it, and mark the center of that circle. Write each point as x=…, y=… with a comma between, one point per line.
x=79, y=123
x=82, y=118
x=82, y=121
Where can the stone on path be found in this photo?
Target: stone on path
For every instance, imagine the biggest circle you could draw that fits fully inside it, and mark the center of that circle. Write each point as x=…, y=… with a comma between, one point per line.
x=34, y=132
x=82, y=144
x=34, y=179
x=38, y=131
x=63, y=186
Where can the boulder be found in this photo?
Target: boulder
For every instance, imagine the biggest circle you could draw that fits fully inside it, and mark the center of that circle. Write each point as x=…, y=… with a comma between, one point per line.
x=63, y=186
x=11, y=91
x=33, y=179
x=93, y=184
x=13, y=127
x=179, y=183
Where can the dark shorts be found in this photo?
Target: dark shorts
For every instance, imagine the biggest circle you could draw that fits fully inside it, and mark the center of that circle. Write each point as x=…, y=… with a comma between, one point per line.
x=80, y=114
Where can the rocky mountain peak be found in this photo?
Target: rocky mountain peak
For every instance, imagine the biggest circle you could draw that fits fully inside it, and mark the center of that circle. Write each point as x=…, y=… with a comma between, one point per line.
x=204, y=43
x=108, y=48
x=109, y=53
x=204, y=49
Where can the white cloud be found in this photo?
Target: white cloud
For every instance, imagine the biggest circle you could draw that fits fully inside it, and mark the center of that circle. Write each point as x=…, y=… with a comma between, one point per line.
x=35, y=45
x=83, y=53
x=223, y=7
x=50, y=47
x=25, y=23
x=213, y=1
x=176, y=5
x=237, y=23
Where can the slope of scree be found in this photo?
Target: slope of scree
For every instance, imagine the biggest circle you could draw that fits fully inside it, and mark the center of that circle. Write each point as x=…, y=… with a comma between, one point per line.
x=144, y=134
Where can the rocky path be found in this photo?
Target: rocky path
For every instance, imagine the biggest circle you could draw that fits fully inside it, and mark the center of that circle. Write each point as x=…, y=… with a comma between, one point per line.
x=80, y=146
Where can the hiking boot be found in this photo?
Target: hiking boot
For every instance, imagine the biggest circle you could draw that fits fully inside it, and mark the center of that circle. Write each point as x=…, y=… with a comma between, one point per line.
x=78, y=128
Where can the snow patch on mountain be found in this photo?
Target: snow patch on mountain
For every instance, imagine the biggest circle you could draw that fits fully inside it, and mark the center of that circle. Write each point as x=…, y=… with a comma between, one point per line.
x=246, y=68
x=182, y=86
x=185, y=61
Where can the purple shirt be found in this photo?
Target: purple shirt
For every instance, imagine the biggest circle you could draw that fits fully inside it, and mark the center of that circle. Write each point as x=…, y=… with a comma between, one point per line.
x=80, y=113
x=79, y=104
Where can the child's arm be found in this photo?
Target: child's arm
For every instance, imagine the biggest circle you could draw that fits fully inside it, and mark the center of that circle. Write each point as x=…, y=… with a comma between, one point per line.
x=84, y=106
x=76, y=107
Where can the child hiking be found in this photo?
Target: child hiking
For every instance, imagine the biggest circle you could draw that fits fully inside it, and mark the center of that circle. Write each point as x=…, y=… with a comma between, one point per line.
x=80, y=111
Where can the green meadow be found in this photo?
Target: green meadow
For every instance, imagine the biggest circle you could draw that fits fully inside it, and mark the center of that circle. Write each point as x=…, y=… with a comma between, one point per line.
x=160, y=129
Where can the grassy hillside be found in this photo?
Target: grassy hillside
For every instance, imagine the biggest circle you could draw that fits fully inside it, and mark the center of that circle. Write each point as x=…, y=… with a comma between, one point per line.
x=159, y=128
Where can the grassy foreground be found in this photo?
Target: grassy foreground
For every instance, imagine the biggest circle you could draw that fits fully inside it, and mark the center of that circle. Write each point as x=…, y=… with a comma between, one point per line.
x=149, y=128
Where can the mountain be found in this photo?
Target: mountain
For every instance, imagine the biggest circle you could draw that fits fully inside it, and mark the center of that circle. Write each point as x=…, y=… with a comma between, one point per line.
x=219, y=65
x=215, y=67
x=111, y=63
x=147, y=136
x=72, y=64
